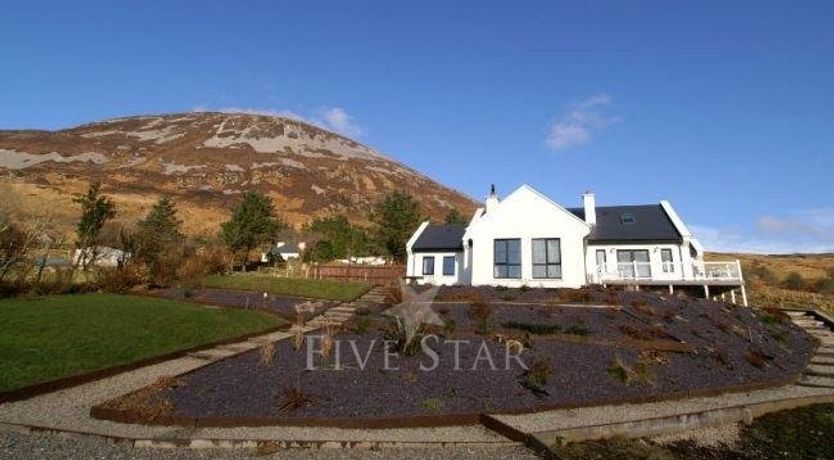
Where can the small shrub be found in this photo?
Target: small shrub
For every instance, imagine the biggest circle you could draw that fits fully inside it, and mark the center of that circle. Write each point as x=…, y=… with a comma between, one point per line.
x=641, y=306
x=327, y=342
x=292, y=400
x=538, y=373
x=267, y=354
x=774, y=316
x=756, y=358
x=395, y=334
x=362, y=325
x=640, y=372
x=297, y=339
x=778, y=335
x=524, y=288
x=449, y=326
x=574, y=295
x=482, y=315
x=721, y=357
x=646, y=333
x=433, y=405
x=534, y=328
x=578, y=329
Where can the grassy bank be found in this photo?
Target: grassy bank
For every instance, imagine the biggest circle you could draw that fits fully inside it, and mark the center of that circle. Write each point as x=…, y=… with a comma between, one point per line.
x=48, y=338
x=317, y=289
x=803, y=433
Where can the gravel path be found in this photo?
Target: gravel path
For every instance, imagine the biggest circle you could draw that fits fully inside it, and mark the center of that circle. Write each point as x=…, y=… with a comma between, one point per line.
x=38, y=445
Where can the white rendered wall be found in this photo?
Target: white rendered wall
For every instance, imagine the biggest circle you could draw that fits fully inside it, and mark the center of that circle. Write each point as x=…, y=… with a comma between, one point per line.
x=438, y=278
x=526, y=215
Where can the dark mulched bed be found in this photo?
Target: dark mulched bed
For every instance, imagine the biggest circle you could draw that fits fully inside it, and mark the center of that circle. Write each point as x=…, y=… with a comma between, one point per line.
x=281, y=305
x=649, y=347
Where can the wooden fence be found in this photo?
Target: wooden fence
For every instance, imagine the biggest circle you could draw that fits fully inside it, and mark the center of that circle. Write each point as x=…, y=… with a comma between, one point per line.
x=366, y=273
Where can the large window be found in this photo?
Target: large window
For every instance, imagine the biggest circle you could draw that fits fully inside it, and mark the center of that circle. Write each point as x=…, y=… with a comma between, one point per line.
x=547, y=258
x=507, y=259
x=428, y=265
x=629, y=259
x=666, y=259
x=449, y=266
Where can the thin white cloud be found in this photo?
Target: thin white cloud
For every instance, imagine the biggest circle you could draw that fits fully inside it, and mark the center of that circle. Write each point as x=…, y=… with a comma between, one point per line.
x=806, y=231
x=578, y=125
x=337, y=119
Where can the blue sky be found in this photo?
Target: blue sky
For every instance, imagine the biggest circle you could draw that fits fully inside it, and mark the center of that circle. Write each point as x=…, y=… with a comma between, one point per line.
x=724, y=108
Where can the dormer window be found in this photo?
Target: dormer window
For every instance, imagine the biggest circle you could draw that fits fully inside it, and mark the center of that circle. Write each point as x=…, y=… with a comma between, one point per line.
x=627, y=218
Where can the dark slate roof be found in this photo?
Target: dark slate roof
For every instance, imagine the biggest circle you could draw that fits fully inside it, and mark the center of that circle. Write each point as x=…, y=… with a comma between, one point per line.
x=448, y=237
x=650, y=224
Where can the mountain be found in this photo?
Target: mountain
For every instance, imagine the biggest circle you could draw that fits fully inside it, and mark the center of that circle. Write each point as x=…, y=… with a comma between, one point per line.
x=204, y=160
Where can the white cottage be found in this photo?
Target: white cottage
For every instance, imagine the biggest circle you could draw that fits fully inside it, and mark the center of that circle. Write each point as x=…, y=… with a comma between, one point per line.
x=527, y=239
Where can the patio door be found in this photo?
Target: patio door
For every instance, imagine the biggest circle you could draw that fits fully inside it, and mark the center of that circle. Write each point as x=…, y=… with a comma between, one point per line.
x=626, y=259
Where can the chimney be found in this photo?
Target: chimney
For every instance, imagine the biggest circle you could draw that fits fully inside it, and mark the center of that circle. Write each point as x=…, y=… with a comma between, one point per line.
x=492, y=199
x=589, y=203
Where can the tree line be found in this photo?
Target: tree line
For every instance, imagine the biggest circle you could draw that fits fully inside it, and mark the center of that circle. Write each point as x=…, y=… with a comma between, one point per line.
x=155, y=249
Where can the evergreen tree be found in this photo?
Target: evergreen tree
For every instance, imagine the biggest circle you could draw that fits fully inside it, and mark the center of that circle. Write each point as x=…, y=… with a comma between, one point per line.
x=454, y=217
x=396, y=217
x=253, y=223
x=96, y=210
x=158, y=231
x=335, y=238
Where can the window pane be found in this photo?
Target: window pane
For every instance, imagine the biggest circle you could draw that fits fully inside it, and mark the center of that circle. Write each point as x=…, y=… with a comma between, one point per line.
x=641, y=256
x=600, y=257
x=500, y=251
x=666, y=255
x=428, y=265
x=624, y=256
x=554, y=252
x=539, y=271
x=500, y=271
x=514, y=271
x=554, y=271
x=449, y=266
x=514, y=251
x=538, y=252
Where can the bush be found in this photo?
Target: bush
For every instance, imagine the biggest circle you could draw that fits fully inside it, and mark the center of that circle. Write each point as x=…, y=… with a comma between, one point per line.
x=574, y=295
x=538, y=373
x=479, y=310
x=794, y=281
x=117, y=280
x=825, y=285
x=534, y=328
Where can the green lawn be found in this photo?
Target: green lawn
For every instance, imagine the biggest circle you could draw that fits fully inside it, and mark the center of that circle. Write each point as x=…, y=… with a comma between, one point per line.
x=316, y=289
x=51, y=337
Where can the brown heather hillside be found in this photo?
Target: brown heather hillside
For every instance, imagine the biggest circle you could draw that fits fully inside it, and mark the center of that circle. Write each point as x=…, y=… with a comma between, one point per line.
x=764, y=293
x=205, y=160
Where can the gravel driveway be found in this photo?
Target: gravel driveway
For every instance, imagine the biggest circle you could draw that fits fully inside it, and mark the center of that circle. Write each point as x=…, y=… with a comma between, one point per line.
x=39, y=446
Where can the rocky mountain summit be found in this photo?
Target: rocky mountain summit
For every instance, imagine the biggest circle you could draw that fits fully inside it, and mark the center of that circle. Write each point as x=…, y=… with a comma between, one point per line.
x=205, y=159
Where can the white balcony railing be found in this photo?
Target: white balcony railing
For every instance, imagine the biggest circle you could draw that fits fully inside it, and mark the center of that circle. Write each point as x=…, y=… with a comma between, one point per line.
x=670, y=271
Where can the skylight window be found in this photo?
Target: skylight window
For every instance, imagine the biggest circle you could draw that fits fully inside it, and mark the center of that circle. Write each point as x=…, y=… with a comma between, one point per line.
x=627, y=218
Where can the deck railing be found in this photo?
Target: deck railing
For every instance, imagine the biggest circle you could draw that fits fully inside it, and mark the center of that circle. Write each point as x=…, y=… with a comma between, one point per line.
x=724, y=271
